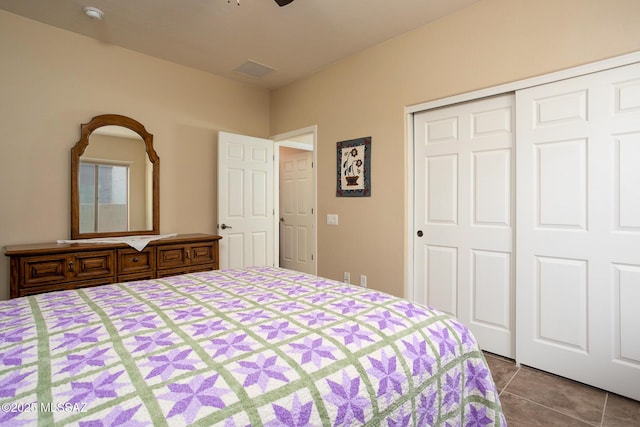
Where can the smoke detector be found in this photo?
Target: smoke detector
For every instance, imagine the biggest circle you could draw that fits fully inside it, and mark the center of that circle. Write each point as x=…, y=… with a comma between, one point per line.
x=93, y=12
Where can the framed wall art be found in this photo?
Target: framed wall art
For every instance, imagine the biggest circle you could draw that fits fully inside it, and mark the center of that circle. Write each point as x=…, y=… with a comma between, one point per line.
x=354, y=168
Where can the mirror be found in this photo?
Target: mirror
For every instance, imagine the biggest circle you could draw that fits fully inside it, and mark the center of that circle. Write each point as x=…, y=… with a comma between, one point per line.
x=114, y=180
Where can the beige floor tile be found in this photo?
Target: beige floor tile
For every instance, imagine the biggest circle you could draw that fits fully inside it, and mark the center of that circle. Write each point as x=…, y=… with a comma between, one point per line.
x=536, y=398
x=520, y=412
x=621, y=412
x=565, y=396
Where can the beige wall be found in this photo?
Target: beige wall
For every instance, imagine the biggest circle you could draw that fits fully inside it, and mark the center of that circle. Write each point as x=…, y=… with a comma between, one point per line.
x=490, y=43
x=51, y=81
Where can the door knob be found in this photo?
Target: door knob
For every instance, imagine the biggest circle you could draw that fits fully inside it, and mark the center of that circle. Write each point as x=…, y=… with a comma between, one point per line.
x=225, y=226
x=419, y=233
x=282, y=219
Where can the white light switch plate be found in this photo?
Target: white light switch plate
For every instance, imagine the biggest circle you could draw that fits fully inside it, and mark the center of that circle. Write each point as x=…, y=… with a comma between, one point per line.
x=332, y=219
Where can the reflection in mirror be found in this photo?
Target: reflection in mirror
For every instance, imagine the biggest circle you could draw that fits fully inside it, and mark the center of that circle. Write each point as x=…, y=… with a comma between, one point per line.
x=115, y=184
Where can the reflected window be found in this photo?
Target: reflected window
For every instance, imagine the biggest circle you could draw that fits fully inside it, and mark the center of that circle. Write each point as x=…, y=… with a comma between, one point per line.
x=104, y=197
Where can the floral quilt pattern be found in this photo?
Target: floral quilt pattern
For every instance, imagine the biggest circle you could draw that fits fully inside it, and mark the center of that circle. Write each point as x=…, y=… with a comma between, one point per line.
x=249, y=347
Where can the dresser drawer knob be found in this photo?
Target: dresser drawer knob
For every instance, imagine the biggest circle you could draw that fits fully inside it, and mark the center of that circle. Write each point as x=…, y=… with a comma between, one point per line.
x=136, y=259
x=71, y=266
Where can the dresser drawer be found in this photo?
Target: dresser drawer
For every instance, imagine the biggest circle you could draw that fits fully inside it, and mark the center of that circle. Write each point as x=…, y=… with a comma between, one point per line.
x=172, y=256
x=177, y=256
x=89, y=265
x=39, y=270
x=131, y=261
x=203, y=253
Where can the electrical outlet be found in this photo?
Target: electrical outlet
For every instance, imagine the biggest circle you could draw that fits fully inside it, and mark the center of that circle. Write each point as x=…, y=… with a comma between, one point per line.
x=363, y=280
x=347, y=277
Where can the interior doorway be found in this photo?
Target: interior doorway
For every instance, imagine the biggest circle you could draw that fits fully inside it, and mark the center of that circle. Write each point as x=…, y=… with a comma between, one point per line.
x=296, y=200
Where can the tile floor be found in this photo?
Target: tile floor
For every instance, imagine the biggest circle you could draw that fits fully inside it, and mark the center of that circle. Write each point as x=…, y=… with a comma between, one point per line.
x=534, y=398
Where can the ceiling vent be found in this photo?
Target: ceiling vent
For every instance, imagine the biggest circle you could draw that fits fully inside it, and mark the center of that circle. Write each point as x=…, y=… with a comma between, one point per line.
x=253, y=69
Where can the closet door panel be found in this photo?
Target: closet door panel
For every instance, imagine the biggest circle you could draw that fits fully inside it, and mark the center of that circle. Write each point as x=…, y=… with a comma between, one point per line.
x=492, y=188
x=627, y=178
x=491, y=282
x=561, y=303
x=626, y=313
x=442, y=189
x=463, y=216
x=441, y=270
x=561, y=184
x=577, y=228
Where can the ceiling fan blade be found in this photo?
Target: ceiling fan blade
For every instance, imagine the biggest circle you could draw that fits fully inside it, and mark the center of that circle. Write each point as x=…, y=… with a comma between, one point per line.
x=283, y=2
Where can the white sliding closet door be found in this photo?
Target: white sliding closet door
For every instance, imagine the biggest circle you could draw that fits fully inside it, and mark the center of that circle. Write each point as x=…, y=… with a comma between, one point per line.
x=463, y=217
x=578, y=228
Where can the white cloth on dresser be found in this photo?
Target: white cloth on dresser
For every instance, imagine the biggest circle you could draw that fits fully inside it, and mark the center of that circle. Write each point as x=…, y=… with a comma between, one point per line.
x=136, y=242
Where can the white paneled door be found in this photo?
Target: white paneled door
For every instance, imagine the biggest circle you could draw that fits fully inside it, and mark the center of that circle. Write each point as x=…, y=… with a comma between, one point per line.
x=245, y=200
x=463, y=234
x=296, y=215
x=578, y=228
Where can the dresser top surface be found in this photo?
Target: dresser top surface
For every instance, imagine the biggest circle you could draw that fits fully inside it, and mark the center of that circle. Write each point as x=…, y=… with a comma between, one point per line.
x=53, y=247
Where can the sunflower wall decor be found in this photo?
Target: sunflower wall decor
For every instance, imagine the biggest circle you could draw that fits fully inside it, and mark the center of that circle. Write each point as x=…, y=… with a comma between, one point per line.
x=354, y=168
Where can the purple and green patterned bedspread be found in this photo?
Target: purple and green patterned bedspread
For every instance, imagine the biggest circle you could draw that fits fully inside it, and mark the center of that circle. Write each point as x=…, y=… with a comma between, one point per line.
x=253, y=347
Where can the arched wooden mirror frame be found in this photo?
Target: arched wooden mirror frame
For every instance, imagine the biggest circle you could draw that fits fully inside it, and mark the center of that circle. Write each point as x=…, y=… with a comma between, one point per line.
x=77, y=151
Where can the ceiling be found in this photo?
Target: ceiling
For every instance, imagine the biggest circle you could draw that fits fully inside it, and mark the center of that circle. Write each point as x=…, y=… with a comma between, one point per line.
x=218, y=36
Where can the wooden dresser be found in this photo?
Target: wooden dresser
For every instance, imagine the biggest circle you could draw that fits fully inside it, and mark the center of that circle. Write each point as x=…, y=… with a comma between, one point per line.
x=47, y=267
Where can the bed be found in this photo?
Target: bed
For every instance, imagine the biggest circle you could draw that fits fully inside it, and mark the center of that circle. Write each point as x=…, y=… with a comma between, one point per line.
x=260, y=346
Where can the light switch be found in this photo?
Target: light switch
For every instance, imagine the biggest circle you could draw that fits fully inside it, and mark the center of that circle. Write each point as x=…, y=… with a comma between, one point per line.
x=332, y=219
